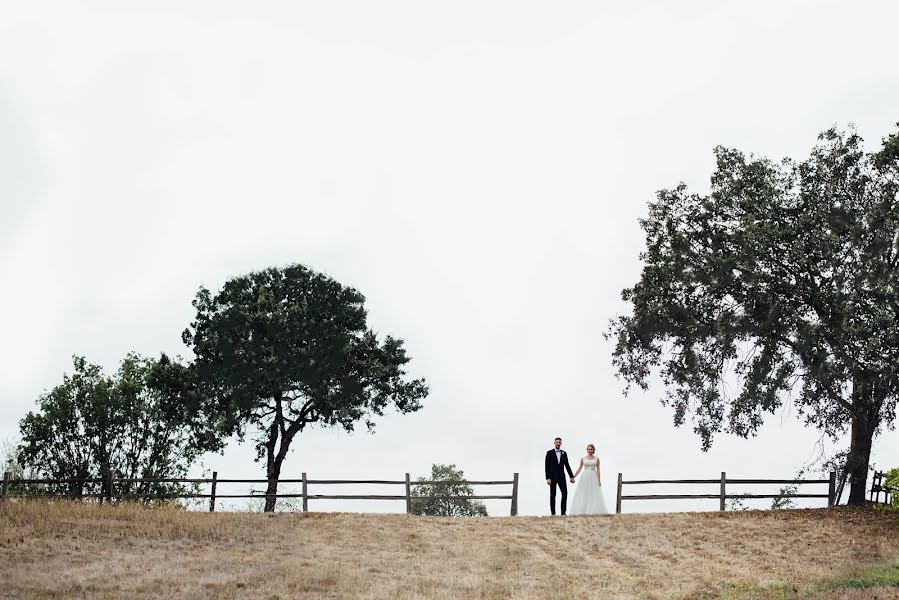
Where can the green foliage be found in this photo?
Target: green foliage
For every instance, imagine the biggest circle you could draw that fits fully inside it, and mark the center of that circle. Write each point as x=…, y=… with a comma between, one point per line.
x=285, y=505
x=891, y=481
x=785, y=497
x=11, y=462
x=878, y=577
x=281, y=349
x=786, y=275
x=445, y=500
x=143, y=422
x=734, y=504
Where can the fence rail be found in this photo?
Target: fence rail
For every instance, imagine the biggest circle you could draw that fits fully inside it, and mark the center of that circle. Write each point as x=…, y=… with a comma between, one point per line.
x=722, y=494
x=109, y=484
x=878, y=489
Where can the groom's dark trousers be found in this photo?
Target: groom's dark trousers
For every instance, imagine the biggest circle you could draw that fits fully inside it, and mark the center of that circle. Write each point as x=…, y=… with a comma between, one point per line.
x=555, y=473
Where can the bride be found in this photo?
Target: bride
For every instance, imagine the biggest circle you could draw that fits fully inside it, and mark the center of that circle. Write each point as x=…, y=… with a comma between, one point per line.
x=588, y=498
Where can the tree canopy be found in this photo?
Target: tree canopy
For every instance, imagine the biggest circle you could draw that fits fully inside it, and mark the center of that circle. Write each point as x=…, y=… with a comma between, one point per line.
x=141, y=422
x=282, y=349
x=783, y=279
x=446, y=499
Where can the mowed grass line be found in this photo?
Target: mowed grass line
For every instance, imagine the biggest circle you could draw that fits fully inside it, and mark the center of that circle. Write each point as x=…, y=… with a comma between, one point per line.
x=71, y=550
x=881, y=581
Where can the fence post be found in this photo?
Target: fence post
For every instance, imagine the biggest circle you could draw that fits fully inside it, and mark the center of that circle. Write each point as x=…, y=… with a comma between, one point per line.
x=840, y=485
x=618, y=501
x=723, y=495
x=832, y=491
x=305, y=494
x=408, y=495
x=5, y=489
x=109, y=493
x=215, y=476
x=515, y=494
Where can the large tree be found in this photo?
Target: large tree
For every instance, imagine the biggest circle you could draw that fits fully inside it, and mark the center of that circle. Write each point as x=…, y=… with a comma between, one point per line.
x=281, y=349
x=141, y=422
x=785, y=278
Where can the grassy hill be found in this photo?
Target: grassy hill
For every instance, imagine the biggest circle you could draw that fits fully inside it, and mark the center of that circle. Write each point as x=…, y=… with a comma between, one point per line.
x=63, y=550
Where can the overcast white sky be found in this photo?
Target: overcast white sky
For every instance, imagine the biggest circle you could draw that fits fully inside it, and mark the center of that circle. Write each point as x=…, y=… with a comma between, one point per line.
x=476, y=169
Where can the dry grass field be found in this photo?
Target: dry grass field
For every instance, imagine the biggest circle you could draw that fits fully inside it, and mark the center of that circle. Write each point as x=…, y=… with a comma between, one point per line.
x=63, y=550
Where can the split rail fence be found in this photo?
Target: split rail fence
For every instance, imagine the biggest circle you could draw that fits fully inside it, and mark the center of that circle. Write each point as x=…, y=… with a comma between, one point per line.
x=109, y=485
x=722, y=494
x=878, y=490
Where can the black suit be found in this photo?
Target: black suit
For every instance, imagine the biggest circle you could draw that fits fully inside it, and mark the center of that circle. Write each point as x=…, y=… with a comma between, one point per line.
x=555, y=473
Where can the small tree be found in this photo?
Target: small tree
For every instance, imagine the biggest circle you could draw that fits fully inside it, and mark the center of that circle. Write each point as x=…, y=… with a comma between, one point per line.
x=142, y=422
x=281, y=349
x=11, y=462
x=445, y=500
x=785, y=494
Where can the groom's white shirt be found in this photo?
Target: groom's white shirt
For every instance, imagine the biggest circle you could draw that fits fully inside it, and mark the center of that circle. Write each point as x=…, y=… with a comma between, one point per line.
x=558, y=456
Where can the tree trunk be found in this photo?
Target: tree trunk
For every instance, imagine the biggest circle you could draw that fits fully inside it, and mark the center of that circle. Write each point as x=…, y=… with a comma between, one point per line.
x=272, y=468
x=273, y=472
x=857, y=464
x=105, y=470
x=863, y=426
x=275, y=460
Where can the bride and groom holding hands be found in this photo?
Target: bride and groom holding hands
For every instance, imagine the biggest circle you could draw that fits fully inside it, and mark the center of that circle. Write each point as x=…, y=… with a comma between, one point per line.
x=587, y=499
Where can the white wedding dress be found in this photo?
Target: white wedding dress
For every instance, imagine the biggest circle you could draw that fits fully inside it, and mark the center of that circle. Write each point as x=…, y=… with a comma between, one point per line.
x=587, y=498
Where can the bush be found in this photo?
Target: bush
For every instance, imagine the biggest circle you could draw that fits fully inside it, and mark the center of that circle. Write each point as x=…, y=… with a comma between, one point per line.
x=445, y=500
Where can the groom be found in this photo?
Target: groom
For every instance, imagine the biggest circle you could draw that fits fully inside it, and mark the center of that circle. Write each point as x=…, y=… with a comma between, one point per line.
x=556, y=465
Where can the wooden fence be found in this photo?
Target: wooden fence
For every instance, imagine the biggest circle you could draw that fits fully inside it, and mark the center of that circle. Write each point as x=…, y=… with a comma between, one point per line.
x=878, y=489
x=722, y=494
x=109, y=486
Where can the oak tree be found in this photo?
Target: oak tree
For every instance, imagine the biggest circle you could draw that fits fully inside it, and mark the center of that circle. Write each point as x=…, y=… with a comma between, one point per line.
x=279, y=350
x=781, y=284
